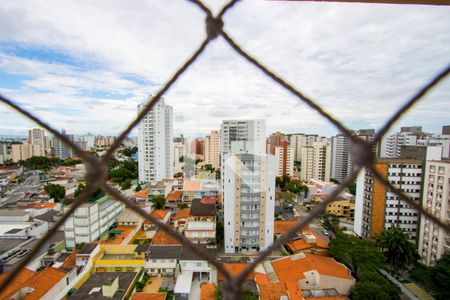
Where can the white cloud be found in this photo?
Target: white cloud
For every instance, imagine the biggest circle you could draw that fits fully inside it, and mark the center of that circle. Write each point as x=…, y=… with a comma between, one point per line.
x=359, y=61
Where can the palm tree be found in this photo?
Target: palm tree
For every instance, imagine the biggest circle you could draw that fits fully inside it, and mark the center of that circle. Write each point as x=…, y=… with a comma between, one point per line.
x=399, y=251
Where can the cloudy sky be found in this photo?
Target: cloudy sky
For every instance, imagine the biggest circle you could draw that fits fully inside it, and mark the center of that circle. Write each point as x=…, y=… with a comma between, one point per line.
x=85, y=65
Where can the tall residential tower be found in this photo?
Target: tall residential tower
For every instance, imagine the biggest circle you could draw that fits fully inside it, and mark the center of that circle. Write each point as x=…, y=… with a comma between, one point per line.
x=155, y=147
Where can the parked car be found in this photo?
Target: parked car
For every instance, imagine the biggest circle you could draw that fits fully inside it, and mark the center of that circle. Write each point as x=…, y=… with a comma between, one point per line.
x=325, y=232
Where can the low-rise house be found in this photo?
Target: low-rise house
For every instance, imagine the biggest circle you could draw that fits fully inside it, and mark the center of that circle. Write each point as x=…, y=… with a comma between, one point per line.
x=87, y=253
x=106, y=285
x=180, y=219
x=312, y=274
x=150, y=228
x=162, y=260
x=119, y=258
x=191, y=190
x=200, y=227
x=195, y=270
x=160, y=188
x=141, y=196
x=45, y=284
x=174, y=198
x=163, y=238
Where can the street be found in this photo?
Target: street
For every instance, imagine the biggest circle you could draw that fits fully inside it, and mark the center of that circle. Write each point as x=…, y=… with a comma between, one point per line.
x=31, y=185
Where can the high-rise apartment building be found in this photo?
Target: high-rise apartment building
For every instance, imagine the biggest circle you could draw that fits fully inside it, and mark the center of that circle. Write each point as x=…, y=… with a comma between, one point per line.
x=90, y=140
x=276, y=139
x=433, y=240
x=250, y=131
x=284, y=160
x=341, y=157
x=300, y=140
x=155, y=147
x=212, y=149
x=316, y=161
x=24, y=151
x=377, y=208
x=62, y=150
x=249, y=197
x=36, y=136
x=178, y=154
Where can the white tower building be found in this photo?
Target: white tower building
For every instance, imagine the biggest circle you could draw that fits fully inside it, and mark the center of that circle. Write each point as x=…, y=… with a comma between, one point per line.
x=155, y=146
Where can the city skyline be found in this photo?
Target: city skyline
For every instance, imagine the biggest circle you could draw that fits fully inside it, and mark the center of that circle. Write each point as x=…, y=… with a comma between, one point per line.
x=80, y=80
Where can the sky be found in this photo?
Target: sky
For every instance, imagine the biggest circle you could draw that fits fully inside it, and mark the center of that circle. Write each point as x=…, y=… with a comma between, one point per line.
x=85, y=65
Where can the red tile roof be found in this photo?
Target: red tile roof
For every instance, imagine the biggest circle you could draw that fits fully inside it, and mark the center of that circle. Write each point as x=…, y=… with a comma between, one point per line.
x=182, y=214
x=17, y=283
x=208, y=200
x=272, y=290
x=207, y=291
x=42, y=205
x=234, y=269
x=174, y=196
x=142, y=194
x=288, y=269
x=148, y=296
x=162, y=238
x=192, y=186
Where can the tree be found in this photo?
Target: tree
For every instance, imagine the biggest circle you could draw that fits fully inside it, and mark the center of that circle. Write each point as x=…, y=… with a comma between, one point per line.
x=159, y=202
x=80, y=188
x=368, y=290
x=55, y=191
x=352, y=188
x=441, y=277
x=285, y=197
x=357, y=254
x=399, y=251
x=334, y=180
x=125, y=185
x=129, y=151
x=138, y=188
x=208, y=167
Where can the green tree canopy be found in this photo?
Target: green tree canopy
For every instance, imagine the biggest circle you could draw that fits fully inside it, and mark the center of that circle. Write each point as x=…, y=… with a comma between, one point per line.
x=441, y=277
x=357, y=254
x=399, y=251
x=125, y=184
x=129, y=151
x=159, y=202
x=55, y=191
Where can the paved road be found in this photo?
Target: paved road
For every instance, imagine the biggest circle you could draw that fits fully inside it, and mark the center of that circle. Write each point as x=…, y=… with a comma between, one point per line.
x=31, y=184
x=319, y=231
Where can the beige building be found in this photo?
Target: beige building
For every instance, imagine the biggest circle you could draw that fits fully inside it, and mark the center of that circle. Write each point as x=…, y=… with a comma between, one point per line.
x=212, y=149
x=316, y=161
x=433, y=241
x=342, y=208
x=25, y=150
x=284, y=160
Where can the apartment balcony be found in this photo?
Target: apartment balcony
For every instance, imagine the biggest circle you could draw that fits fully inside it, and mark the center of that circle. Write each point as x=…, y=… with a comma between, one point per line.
x=249, y=211
x=250, y=194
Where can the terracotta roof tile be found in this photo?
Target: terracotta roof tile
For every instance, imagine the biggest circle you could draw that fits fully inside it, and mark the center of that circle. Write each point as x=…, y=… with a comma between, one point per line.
x=181, y=214
x=70, y=261
x=17, y=283
x=148, y=296
x=272, y=290
x=261, y=278
x=236, y=268
x=288, y=269
x=142, y=194
x=42, y=205
x=207, y=291
x=294, y=290
x=174, y=196
x=162, y=238
x=281, y=226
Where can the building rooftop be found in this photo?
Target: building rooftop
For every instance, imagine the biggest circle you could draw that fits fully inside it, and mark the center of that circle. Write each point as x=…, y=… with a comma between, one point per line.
x=148, y=296
x=200, y=225
x=272, y=290
x=142, y=194
x=164, y=252
x=42, y=205
x=141, y=248
x=182, y=214
x=188, y=254
x=162, y=238
x=192, y=186
x=293, y=267
x=207, y=291
x=88, y=249
x=93, y=286
x=200, y=209
x=174, y=196
x=48, y=216
x=13, y=212
x=235, y=269
x=17, y=283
